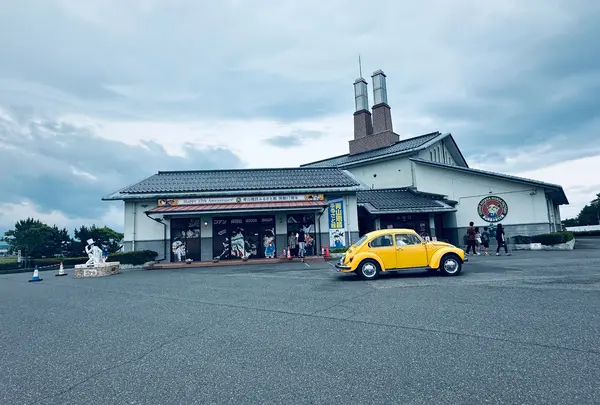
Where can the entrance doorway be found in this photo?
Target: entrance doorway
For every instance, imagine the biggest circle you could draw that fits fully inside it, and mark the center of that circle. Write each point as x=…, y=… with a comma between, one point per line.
x=244, y=237
x=306, y=222
x=185, y=239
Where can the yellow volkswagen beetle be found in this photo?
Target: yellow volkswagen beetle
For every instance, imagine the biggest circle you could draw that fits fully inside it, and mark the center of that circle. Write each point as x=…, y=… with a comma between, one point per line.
x=388, y=250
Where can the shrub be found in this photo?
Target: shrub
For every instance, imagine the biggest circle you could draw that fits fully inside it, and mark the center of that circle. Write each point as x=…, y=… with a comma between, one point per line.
x=587, y=233
x=338, y=250
x=521, y=240
x=135, y=258
x=546, y=239
x=9, y=264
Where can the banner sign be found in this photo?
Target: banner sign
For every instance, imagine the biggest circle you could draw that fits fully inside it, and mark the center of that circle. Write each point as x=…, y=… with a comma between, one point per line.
x=336, y=214
x=337, y=224
x=240, y=200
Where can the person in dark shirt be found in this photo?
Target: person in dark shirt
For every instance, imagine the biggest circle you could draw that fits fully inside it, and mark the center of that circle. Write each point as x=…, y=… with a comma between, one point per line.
x=501, y=239
x=301, y=242
x=471, y=238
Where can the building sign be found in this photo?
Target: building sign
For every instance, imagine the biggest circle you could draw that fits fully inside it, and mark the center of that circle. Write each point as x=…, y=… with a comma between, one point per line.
x=336, y=214
x=492, y=209
x=337, y=224
x=241, y=199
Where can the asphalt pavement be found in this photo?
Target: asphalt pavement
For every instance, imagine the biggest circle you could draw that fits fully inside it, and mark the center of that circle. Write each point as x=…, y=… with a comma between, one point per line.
x=522, y=329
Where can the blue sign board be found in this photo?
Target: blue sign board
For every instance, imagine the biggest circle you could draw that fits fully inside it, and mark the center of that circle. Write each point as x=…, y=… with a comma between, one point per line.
x=336, y=214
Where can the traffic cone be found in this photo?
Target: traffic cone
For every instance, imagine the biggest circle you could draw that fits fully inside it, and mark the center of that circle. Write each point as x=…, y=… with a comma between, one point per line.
x=327, y=251
x=36, y=276
x=61, y=270
x=289, y=255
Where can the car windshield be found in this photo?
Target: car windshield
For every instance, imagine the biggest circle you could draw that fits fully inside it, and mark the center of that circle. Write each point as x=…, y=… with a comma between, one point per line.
x=360, y=241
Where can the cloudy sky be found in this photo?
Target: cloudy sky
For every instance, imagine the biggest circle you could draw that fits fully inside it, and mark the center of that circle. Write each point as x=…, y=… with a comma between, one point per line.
x=95, y=95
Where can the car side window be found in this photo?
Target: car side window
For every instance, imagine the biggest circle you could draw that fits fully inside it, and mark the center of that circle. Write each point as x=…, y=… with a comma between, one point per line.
x=407, y=240
x=381, y=241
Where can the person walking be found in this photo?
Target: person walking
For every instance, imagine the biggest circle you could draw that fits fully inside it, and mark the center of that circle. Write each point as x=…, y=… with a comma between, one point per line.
x=471, y=238
x=485, y=240
x=478, y=240
x=501, y=239
x=301, y=243
x=292, y=243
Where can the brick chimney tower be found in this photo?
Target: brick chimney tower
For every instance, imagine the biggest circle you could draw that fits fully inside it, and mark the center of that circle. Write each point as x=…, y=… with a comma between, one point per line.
x=363, y=125
x=378, y=133
x=382, y=114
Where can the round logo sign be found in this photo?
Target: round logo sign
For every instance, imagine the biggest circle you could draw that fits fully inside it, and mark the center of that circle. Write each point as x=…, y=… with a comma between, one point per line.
x=492, y=209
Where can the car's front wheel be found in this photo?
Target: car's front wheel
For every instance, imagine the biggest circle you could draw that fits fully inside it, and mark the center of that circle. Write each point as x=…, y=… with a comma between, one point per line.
x=450, y=265
x=368, y=269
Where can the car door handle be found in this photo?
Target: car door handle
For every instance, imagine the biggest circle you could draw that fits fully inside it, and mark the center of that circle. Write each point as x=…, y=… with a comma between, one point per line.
x=398, y=248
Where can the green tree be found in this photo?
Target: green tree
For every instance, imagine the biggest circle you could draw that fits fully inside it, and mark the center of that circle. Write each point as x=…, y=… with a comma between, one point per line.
x=104, y=236
x=36, y=239
x=571, y=222
x=590, y=214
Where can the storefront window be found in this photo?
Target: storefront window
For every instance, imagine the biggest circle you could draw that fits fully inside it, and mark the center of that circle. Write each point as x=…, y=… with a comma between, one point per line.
x=305, y=222
x=244, y=237
x=185, y=239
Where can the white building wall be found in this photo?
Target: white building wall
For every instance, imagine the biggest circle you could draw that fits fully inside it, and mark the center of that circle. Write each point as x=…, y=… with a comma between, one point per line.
x=141, y=232
x=387, y=174
x=524, y=205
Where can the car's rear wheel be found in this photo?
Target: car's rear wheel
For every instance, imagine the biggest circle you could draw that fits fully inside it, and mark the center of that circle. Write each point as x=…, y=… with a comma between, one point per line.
x=368, y=269
x=450, y=265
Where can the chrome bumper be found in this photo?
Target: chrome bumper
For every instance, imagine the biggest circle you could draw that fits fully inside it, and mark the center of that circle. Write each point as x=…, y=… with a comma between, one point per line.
x=340, y=264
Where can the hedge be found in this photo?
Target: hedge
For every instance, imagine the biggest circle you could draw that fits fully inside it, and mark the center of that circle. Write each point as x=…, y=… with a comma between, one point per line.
x=338, y=250
x=587, y=233
x=135, y=258
x=546, y=239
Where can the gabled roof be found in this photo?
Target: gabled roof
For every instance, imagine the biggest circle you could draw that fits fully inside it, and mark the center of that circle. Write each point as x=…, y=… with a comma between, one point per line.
x=402, y=201
x=249, y=181
x=401, y=147
x=559, y=193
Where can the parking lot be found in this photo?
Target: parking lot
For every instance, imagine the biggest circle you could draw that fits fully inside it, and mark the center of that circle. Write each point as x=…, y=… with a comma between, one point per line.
x=518, y=329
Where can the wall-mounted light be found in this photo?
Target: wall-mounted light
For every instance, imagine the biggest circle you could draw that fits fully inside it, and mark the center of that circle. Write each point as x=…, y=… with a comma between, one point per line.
x=205, y=223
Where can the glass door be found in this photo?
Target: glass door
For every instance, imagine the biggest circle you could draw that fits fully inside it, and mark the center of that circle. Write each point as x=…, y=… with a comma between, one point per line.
x=185, y=239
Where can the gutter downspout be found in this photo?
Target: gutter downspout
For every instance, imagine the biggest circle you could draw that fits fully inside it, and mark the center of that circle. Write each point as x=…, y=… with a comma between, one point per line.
x=133, y=239
x=160, y=221
x=319, y=231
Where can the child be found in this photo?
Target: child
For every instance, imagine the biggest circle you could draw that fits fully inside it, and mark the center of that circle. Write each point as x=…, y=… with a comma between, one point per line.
x=485, y=240
x=477, y=241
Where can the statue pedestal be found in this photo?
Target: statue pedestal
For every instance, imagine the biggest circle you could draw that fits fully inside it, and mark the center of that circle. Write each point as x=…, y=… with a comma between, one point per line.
x=97, y=270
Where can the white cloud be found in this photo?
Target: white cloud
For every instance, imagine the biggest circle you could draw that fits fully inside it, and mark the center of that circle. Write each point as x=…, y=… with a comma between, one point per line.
x=579, y=178
x=11, y=213
x=136, y=71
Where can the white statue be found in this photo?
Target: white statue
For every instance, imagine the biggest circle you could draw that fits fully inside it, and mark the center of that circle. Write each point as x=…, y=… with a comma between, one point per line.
x=94, y=253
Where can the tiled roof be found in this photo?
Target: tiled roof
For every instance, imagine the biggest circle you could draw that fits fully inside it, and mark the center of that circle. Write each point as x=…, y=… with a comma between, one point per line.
x=402, y=146
x=205, y=181
x=241, y=206
x=401, y=200
x=556, y=187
